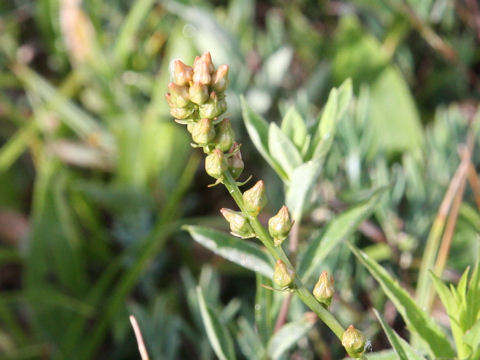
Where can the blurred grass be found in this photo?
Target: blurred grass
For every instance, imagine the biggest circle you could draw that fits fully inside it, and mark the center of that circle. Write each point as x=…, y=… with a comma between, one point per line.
x=100, y=179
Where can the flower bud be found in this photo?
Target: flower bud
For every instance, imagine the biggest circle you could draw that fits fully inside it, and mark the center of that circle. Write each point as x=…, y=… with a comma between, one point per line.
x=182, y=74
x=225, y=135
x=282, y=275
x=255, y=199
x=215, y=164
x=239, y=225
x=324, y=290
x=354, y=342
x=179, y=95
x=214, y=107
x=279, y=226
x=183, y=112
x=220, y=78
x=235, y=162
x=198, y=93
x=202, y=69
x=203, y=132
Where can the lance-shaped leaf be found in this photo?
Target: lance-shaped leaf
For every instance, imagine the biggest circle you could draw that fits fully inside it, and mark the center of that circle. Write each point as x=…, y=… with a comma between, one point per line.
x=217, y=334
x=241, y=252
x=417, y=320
x=401, y=347
x=257, y=129
x=283, y=150
x=339, y=229
x=287, y=337
x=294, y=127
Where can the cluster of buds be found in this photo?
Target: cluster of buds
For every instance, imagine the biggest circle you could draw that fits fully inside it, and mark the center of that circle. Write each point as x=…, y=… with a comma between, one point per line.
x=354, y=342
x=324, y=290
x=197, y=99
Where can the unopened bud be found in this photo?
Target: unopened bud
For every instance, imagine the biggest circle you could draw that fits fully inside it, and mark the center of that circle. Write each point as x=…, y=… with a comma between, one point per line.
x=235, y=162
x=255, y=199
x=282, y=275
x=179, y=95
x=183, y=112
x=225, y=135
x=239, y=225
x=214, y=107
x=279, y=226
x=203, y=69
x=324, y=290
x=354, y=342
x=182, y=74
x=220, y=78
x=198, y=93
x=215, y=164
x=203, y=132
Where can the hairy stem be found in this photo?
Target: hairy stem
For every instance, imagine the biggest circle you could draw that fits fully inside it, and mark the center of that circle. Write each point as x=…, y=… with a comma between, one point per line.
x=277, y=252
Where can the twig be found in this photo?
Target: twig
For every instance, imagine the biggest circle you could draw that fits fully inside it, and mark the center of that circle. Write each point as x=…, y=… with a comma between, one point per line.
x=282, y=314
x=452, y=221
x=474, y=182
x=138, y=334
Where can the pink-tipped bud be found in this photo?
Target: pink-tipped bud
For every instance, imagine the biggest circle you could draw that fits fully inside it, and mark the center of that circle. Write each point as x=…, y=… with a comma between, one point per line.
x=202, y=69
x=239, y=225
x=182, y=113
x=179, y=95
x=279, y=226
x=225, y=135
x=255, y=199
x=198, y=93
x=220, y=78
x=324, y=290
x=203, y=132
x=354, y=342
x=282, y=275
x=216, y=164
x=182, y=74
x=235, y=162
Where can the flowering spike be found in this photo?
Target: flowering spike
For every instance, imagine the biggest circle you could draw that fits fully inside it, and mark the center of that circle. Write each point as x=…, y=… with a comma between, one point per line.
x=279, y=225
x=282, y=275
x=239, y=225
x=354, y=342
x=203, y=132
x=324, y=290
x=182, y=74
x=235, y=162
x=215, y=164
x=255, y=199
x=225, y=135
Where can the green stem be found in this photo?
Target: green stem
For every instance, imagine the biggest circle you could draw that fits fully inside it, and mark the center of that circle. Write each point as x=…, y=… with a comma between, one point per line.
x=277, y=252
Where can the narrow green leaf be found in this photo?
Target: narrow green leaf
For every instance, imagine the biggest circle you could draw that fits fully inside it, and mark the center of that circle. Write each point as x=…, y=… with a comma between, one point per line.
x=472, y=336
x=401, y=347
x=126, y=39
x=288, y=335
x=16, y=145
x=263, y=308
x=326, y=130
x=381, y=355
x=417, y=320
x=241, y=252
x=249, y=341
x=340, y=228
x=294, y=127
x=283, y=150
x=344, y=97
x=257, y=129
x=218, y=335
x=302, y=181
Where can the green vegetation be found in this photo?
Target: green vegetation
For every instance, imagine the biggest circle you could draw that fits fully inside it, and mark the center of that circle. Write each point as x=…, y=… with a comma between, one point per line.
x=349, y=153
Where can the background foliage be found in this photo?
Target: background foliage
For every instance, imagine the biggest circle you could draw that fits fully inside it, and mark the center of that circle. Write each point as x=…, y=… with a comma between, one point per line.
x=97, y=181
